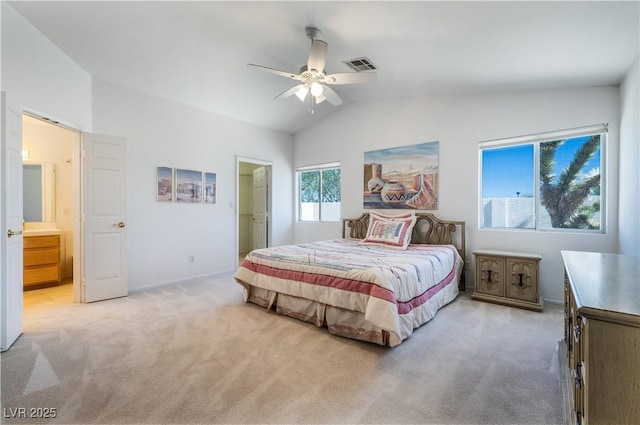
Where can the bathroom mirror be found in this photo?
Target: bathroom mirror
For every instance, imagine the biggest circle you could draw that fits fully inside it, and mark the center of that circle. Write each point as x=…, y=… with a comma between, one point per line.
x=39, y=192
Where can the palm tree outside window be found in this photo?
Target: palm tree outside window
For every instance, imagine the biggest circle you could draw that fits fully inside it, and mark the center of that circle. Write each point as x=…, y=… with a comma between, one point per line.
x=550, y=181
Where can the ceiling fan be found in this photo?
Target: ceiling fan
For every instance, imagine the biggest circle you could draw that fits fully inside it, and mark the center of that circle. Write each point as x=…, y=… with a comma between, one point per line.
x=313, y=77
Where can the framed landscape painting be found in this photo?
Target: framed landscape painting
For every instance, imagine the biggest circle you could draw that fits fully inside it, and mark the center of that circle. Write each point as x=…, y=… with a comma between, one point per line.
x=188, y=186
x=405, y=177
x=164, y=189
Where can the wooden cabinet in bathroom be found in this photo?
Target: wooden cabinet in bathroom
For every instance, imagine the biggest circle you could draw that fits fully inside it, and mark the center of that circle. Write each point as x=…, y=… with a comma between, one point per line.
x=41, y=261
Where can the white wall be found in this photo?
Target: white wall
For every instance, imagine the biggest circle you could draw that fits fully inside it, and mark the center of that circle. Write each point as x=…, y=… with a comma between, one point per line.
x=40, y=77
x=629, y=212
x=43, y=80
x=159, y=132
x=459, y=123
x=160, y=237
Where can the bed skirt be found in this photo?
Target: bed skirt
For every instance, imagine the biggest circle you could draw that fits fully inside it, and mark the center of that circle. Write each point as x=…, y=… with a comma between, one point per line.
x=343, y=322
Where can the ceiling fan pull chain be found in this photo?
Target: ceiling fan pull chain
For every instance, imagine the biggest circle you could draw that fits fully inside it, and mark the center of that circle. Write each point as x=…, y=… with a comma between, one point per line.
x=310, y=106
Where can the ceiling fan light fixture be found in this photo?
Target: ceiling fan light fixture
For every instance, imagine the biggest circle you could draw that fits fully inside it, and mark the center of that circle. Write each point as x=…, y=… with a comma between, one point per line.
x=302, y=93
x=316, y=88
x=313, y=77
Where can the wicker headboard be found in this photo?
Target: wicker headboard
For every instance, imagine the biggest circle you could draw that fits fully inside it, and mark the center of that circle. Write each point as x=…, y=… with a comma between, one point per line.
x=429, y=229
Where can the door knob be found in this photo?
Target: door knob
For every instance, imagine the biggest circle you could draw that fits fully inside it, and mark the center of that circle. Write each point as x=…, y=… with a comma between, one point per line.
x=120, y=225
x=11, y=233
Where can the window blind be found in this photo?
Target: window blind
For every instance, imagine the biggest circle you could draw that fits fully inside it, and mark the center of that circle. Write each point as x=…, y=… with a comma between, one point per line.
x=545, y=137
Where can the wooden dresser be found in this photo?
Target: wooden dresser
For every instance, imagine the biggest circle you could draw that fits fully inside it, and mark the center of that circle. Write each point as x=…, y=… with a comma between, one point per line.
x=602, y=338
x=509, y=278
x=41, y=260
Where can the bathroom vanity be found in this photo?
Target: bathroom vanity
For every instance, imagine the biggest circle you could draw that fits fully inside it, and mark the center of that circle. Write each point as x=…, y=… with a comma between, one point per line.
x=41, y=258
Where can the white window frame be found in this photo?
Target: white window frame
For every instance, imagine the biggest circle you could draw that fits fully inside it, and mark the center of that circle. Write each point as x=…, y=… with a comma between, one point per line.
x=535, y=140
x=316, y=167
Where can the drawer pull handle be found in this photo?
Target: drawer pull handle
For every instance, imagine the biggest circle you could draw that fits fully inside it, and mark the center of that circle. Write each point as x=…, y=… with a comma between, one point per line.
x=577, y=331
x=488, y=275
x=120, y=225
x=11, y=233
x=520, y=275
x=569, y=339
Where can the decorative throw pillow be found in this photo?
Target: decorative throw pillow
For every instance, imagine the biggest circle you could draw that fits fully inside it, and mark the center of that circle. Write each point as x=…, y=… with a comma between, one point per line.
x=391, y=231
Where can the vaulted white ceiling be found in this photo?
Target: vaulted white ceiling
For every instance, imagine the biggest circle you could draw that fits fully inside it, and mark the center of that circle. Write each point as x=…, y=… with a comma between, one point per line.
x=197, y=52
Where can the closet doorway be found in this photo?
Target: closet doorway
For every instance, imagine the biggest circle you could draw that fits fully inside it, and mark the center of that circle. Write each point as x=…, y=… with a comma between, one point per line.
x=253, y=205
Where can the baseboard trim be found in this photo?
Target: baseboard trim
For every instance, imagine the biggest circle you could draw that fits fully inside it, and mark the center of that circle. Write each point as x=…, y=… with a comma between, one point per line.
x=193, y=279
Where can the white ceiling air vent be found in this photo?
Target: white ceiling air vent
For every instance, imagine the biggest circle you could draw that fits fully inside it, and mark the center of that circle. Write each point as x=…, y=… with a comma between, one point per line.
x=360, y=64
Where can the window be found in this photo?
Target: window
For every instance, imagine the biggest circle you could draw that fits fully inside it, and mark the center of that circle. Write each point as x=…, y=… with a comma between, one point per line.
x=319, y=193
x=548, y=181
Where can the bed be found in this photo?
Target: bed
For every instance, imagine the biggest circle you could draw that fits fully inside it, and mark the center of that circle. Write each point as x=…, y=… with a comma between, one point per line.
x=363, y=286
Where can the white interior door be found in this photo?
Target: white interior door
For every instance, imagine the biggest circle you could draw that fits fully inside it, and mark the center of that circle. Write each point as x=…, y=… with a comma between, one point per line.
x=260, y=207
x=104, y=218
x=11, y=211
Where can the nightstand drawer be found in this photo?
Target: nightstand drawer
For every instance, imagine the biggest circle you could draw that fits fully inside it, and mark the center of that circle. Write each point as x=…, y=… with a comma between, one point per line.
x=522, y=280
x=489, y=275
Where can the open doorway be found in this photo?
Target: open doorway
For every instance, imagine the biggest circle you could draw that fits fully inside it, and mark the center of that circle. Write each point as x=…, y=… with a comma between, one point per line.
x=96, y=265
x=48, y=212
x=253, y=205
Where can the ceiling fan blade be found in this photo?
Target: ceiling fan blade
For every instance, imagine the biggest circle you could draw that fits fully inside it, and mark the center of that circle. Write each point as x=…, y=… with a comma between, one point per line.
x=317, y=56
x=320, y=98
x=350, y=77
x=276, y=71
x=291, y=91
x=332, y=97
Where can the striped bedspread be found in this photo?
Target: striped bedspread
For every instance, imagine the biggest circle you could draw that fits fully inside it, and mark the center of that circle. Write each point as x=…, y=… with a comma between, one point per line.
x=392, y=288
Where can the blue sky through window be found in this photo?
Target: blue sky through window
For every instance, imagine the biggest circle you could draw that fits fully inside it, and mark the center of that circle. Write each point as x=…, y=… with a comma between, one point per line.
x=508, y=172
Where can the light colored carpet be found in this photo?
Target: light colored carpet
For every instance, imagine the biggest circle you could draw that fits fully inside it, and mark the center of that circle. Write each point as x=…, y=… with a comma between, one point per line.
x=195, y=353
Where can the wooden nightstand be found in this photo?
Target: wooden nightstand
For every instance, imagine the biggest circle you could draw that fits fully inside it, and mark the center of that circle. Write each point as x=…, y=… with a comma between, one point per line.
x=509, y=278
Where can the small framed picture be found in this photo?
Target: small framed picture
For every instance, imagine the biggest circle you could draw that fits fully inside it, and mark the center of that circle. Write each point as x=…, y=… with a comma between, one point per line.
x=188, y=186
x=209, y=188
x=164, y=189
